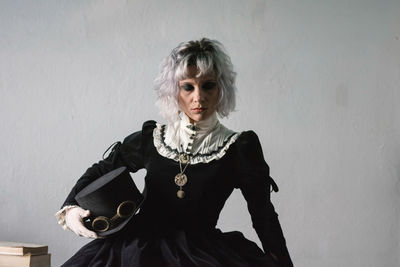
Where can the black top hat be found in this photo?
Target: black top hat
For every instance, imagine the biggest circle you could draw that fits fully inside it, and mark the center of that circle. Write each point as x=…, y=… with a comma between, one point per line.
x=113, y=199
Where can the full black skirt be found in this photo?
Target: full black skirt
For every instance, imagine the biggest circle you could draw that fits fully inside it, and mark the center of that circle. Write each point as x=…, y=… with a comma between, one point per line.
x=175, y=249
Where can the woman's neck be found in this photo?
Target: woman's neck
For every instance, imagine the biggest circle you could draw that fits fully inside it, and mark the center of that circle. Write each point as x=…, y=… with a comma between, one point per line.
x=207, y=123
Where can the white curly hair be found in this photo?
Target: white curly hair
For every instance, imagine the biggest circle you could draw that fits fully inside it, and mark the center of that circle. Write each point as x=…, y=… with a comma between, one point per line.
x=209, y=57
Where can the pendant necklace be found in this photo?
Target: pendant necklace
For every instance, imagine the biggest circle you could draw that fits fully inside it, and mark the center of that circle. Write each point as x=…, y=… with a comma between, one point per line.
x=181, y=178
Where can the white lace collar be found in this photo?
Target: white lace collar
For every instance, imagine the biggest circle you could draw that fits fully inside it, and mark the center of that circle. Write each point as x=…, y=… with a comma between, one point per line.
x=205, y=141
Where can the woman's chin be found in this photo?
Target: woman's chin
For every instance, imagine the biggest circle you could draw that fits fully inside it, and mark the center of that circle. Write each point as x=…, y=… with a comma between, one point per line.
x=198, y=117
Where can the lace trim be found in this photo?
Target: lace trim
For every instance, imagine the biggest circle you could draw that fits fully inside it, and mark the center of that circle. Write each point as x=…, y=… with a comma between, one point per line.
x=171, y=153
x=60, y=215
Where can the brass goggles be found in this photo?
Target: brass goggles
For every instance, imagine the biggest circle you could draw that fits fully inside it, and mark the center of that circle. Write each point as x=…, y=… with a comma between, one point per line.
x=124, y=210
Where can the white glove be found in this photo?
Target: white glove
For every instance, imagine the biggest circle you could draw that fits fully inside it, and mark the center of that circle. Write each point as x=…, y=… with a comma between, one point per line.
x=73, y=220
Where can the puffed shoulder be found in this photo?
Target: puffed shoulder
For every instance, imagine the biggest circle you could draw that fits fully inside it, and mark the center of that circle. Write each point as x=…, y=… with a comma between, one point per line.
x=131, y=150
x=252, y=165
x=147, y=130
x=148, y=127
x=250, y=150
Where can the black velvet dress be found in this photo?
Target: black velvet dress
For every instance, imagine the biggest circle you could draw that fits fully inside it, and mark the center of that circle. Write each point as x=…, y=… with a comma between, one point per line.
x=169, y=231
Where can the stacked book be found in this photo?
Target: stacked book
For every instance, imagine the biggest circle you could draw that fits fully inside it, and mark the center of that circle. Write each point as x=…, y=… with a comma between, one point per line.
x=14, y=254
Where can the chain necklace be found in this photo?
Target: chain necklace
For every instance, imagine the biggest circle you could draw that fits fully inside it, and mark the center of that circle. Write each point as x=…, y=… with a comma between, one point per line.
x=181, y=178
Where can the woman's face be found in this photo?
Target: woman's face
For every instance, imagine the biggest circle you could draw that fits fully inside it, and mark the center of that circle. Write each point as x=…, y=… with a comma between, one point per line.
x=198, y=96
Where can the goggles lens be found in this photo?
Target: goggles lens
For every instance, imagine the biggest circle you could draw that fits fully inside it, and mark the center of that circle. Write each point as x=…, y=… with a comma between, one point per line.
x=124, y=210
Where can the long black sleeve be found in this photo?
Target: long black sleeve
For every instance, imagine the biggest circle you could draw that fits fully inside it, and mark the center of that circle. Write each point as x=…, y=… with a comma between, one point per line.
x=254, y=183
x=129, y=153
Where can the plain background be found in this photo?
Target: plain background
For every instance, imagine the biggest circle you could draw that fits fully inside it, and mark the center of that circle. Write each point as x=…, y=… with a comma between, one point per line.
x=317, y=80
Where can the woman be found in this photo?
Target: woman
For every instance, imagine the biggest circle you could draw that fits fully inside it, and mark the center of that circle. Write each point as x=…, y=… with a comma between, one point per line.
x=193, y=163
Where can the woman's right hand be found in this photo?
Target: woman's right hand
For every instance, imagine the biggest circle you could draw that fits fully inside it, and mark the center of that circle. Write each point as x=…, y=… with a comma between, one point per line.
x=74, y=221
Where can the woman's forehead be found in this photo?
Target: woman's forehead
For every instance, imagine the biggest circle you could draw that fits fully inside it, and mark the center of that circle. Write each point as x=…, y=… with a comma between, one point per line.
x=193, y=72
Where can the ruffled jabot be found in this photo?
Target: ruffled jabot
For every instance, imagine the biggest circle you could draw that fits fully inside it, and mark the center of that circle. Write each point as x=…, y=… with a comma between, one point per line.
x=204, y=141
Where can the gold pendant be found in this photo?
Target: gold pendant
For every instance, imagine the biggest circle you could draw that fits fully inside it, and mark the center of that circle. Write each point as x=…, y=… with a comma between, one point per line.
x=180, y=194
x=180, y=179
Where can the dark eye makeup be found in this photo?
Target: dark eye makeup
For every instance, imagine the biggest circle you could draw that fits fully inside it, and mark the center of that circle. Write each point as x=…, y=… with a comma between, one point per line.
x=208, y=85
x=187, y=87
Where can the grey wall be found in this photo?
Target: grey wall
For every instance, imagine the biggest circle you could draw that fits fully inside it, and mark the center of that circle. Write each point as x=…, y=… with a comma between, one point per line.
x=318, y=81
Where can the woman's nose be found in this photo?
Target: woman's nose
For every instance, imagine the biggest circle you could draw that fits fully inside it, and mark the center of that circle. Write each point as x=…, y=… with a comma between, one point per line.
x=198, y=95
